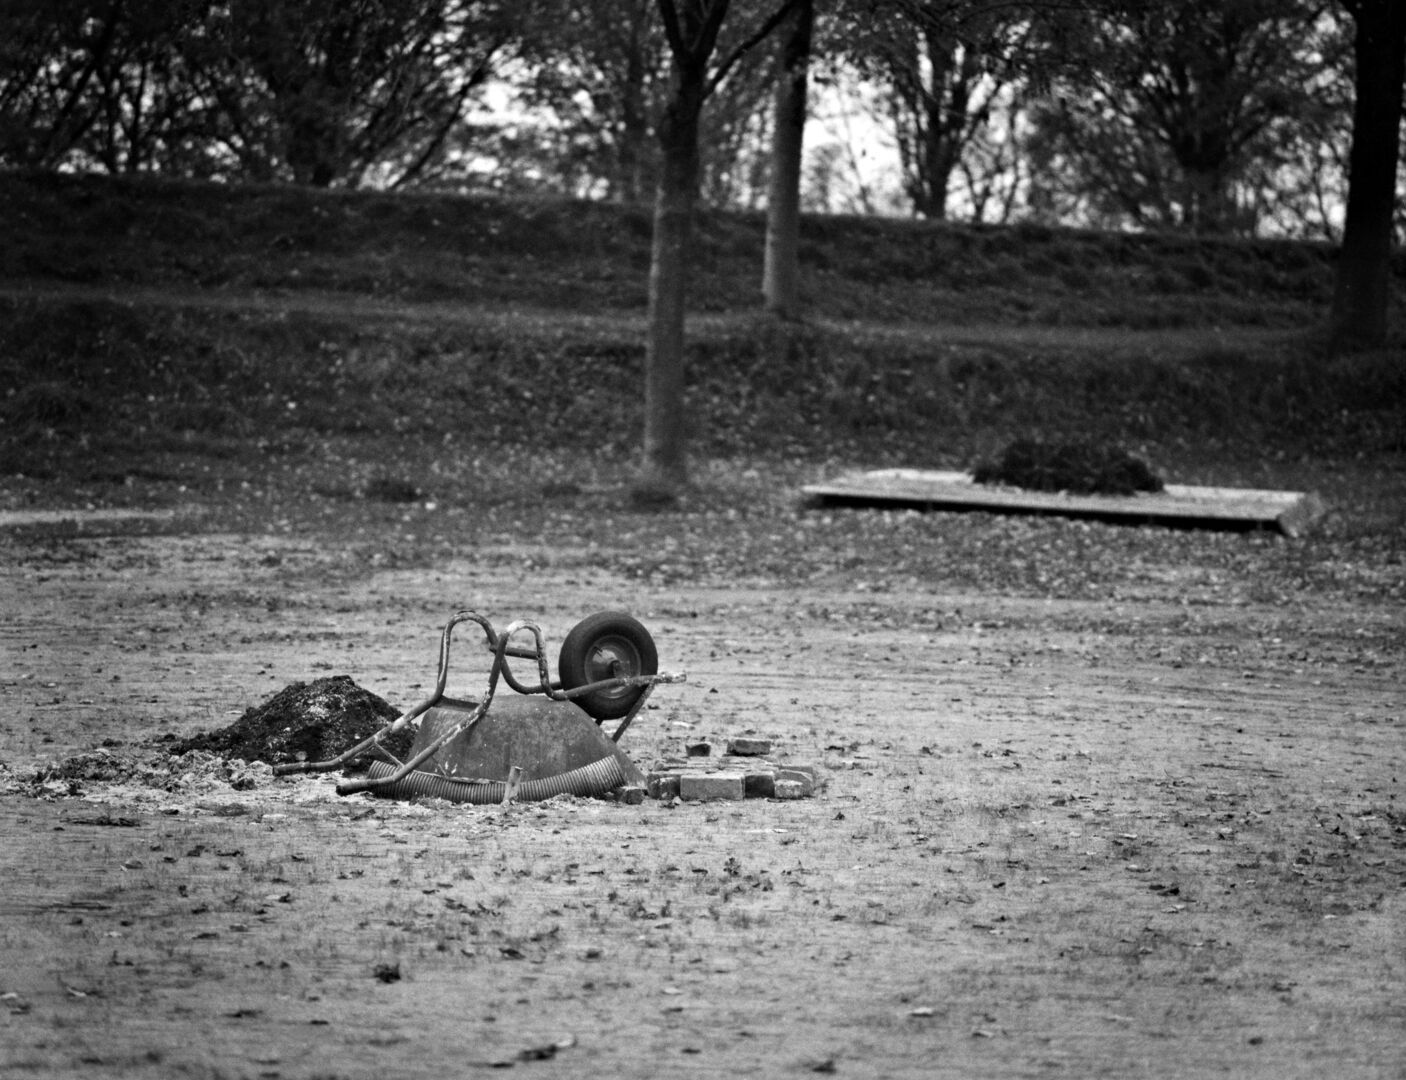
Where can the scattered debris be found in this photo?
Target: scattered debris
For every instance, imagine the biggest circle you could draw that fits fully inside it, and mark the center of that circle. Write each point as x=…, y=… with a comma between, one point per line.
x=546, y=1051
x=744, y=746
x=750, y=778
x=150, y=767
x=104, y=819
x=392, y=489
x=15, y=1004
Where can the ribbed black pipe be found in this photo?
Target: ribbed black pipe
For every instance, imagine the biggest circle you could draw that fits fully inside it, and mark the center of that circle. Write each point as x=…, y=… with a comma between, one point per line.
x=594, y=779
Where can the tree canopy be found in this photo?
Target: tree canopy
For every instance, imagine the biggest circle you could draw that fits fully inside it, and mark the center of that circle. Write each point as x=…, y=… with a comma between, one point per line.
x=1211, y=116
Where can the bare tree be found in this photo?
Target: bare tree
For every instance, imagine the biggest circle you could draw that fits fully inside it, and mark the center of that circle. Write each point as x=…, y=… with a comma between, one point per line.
x=317, y=91
x=944, y=65
x=595, y=82
x=692, y=29
x=595, y=67
x=51, y=55
x=323, y=89
x=1165, y=107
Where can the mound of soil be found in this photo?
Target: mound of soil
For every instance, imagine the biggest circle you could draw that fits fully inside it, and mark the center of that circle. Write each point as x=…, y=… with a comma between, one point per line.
x=304, y=722
x=1081, y=468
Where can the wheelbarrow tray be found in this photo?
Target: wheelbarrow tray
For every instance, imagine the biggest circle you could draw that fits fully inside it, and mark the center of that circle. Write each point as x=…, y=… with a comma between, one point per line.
x=556, y=746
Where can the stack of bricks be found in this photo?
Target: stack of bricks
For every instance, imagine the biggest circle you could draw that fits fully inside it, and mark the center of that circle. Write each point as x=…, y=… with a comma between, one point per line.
x=744, y=772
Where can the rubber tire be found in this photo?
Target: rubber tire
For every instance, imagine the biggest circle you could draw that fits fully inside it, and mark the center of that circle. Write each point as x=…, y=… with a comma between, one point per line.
x=587, y=655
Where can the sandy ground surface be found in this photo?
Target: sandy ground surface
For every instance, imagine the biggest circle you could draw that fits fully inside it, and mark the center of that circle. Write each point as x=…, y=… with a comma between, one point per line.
x=1157, y=834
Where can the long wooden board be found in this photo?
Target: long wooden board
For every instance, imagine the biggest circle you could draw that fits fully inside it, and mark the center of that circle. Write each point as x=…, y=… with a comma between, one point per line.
x=1291, y=512
x=13, y=518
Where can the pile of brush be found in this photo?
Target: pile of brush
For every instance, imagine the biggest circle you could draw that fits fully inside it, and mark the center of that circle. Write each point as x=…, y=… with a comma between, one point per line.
x=1079, y=468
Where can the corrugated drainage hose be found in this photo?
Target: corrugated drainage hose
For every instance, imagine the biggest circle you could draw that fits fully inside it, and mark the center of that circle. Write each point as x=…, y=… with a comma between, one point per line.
x=596, y=778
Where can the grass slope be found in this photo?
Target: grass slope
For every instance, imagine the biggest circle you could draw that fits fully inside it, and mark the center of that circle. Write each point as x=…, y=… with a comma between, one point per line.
x=149, y=325
x=583, y=256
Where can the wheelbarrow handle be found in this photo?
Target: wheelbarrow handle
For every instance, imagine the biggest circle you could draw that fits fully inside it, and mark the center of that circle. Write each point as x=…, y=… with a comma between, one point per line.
x=416, y=711
x=352, y=785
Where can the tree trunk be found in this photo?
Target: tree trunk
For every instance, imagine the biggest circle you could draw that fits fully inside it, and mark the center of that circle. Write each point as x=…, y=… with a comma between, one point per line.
x=781, y=273
x=631, y=157
x=1360, y=300
x=940, y=122
x=665, y=468
x=692, y=32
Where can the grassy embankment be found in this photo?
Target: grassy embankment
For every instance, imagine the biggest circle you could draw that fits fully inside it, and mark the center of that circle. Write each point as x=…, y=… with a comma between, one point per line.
x=182, y=332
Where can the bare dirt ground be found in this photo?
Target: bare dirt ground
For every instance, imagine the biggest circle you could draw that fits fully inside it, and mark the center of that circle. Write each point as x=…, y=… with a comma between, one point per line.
x=1157, y=832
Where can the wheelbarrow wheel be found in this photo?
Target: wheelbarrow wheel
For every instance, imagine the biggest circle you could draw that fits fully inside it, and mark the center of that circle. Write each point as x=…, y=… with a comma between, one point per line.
x=602, y=646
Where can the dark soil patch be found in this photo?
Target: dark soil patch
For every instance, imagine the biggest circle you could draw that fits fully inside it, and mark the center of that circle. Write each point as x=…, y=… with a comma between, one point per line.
x=304, y=722
x=1081, y=468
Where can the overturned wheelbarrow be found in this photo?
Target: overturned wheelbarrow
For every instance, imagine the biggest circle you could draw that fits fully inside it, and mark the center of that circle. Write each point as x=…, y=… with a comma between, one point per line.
x=548, y=741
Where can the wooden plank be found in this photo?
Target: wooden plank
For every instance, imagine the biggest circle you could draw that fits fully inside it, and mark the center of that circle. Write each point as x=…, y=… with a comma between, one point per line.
x=10, y=518
x=1291, y=512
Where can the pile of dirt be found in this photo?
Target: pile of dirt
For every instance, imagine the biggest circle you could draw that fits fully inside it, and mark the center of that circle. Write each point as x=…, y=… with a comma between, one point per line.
x=1078, y=467
x=304, y=722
